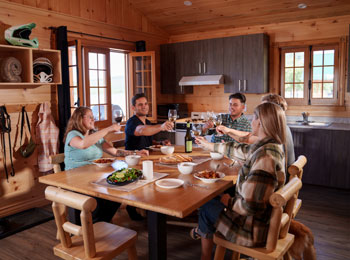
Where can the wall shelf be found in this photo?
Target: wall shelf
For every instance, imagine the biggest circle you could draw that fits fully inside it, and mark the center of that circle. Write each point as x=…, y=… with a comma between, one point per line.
x=26, y=56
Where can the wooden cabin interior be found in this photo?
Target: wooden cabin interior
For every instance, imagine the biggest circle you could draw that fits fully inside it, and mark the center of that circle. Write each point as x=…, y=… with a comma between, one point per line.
x=173, y=34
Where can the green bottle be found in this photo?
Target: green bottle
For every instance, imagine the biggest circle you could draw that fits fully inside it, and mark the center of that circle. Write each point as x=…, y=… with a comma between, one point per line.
x=188, y=139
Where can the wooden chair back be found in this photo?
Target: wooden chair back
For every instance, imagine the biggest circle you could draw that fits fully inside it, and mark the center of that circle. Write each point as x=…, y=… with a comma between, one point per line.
x=56, y=160
x=101, y=240
x=278, y=243
x=296, y=170
x=62, y=198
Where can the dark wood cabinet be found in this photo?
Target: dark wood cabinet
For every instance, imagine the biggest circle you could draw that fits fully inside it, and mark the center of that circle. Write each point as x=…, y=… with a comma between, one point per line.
x=246, y=63
x=242, y=59
x=327, y=153
x=171, y=68
x=203, y=57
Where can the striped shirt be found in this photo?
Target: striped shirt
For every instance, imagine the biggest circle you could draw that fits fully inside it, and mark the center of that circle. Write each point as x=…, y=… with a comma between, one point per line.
x=245, y=221
x=241, y=124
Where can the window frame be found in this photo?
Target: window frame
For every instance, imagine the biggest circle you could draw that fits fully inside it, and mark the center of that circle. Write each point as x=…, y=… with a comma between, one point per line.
x=336, y=44
x=86, y=50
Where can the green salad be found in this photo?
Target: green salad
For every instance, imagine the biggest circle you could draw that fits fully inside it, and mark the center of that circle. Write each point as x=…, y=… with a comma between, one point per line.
x=124, y=175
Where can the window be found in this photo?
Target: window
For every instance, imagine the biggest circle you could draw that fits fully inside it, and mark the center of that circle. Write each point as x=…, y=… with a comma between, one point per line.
x=98, y=79
x=309, y=75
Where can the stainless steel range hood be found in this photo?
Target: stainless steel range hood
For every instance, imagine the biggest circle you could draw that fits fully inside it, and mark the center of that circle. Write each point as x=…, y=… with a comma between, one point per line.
x=202, y=80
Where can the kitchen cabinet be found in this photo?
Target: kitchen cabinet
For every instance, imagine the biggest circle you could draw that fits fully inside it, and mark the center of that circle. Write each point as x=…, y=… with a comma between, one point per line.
x=245, y=63
x=171, y=68
x=203, y=57
x=142, y=78
x=327, y=153
x=26, y=56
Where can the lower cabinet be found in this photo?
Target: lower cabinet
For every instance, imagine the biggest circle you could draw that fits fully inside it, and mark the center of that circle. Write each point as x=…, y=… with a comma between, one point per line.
x=327, y=153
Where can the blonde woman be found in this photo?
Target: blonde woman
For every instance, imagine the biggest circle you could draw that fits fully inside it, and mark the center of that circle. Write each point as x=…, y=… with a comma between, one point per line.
x=83, y=144
x=246, y=218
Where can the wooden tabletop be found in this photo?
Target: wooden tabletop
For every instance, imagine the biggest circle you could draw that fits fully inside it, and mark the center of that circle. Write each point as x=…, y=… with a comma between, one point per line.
x=178, y=202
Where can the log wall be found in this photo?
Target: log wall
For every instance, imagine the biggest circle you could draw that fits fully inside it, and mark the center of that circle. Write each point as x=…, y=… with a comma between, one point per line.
x=112, y=18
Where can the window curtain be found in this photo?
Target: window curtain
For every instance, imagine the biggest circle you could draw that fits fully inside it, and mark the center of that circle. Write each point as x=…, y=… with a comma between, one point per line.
x=63, y=90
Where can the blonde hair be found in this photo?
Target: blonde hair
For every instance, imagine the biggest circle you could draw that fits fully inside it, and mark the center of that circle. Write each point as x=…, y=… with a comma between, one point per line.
x=277, y=99
x=76, y=121
x=272, y=120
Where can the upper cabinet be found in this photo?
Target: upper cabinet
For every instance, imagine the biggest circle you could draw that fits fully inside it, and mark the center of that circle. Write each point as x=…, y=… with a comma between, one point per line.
x=25, y=56
x=171, y=68
x=246, y=63
x=203, y=57
x=242, y=59
x=142, y=78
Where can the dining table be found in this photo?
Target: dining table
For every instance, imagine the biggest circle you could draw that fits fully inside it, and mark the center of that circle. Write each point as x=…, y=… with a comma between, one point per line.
x=159, y=202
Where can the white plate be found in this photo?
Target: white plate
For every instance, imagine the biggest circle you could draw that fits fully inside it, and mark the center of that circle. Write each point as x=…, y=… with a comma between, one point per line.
x=221, y=174
x=169, y=183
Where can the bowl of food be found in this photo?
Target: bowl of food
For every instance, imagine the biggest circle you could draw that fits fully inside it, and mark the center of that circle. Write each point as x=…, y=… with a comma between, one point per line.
x=186, y=167
x=103, y=162
x=132, y=160
x=167, y=149
x=209, y=176
x=124, y=176
x=216, y=156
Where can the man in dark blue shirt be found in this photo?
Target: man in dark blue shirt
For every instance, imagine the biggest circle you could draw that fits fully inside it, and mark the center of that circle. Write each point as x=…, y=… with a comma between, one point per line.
x=138, y=130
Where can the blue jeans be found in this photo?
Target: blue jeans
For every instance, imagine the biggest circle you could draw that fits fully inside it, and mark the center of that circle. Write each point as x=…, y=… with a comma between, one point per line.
x=208, y=215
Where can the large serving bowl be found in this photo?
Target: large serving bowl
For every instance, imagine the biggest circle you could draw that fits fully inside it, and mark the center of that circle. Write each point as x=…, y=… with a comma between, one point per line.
x=216, y=156
x=167, y=149
x=186, y=167
x=132, y=160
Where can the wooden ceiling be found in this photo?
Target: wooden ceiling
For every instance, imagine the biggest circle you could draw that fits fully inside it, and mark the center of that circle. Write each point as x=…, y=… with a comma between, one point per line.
x=205, y=15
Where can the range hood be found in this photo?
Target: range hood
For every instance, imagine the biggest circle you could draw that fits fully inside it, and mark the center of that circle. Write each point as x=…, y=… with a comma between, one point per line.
x=202, y=80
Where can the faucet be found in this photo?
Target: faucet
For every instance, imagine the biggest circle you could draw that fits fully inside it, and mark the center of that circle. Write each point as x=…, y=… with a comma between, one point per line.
x=305, y=117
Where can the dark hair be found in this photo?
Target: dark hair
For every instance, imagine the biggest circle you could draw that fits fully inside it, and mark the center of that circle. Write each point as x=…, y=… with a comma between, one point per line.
x=136, y=97
x=239, y=96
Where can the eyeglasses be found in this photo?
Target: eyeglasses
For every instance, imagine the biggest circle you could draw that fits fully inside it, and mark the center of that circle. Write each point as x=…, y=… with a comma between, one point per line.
x=90, y=117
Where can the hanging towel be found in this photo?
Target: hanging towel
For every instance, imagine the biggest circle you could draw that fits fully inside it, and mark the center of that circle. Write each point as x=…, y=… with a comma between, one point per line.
x=10, y=70
x=47, y=137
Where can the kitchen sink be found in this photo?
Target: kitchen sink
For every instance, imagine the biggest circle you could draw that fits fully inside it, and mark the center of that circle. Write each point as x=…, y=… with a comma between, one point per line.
x=309, y=123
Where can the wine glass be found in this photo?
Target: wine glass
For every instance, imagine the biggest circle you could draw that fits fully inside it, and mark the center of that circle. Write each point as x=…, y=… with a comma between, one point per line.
x=197, y=129
x=218, y=122
x=118, y=117
x=211, y=116
x=172, y=116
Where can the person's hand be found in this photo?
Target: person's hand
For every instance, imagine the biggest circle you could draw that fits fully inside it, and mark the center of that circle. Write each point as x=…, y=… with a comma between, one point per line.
x=208, y=124
x=114, y=128
x=202, y=142
x=167, y=126
x=221, y=129
x=225, y=199
x=166, y=142
x=142, y=152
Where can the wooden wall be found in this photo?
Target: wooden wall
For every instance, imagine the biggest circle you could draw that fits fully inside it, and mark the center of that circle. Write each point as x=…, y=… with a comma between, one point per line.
x=213, y=97
x=110, y=18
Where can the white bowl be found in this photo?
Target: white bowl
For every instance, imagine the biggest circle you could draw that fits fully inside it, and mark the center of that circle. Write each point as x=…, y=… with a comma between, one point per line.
x=186, y=167
x=132, y=160
x=216, y=156
x=211, y=180
x=167, y=149
x=103, y=162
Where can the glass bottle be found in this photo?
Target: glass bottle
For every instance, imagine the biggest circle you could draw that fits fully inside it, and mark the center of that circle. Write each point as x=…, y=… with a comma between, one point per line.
x=188, y=139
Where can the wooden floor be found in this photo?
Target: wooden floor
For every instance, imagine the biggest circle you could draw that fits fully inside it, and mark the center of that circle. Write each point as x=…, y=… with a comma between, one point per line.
x=326, y=211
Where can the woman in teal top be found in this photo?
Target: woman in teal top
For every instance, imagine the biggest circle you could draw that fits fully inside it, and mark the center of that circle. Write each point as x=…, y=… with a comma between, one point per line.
x=82, y=145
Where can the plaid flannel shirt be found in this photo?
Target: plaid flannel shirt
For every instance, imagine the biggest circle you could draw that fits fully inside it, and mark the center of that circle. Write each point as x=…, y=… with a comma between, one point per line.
x=246, y=219
x=241, y=124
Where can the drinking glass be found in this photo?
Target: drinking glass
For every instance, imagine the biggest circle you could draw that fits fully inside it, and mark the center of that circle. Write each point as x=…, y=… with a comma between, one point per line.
x=217, y=122
x=172, y=116
x=197, y=130
x=118, y=117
